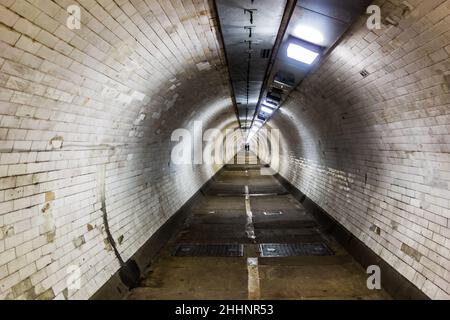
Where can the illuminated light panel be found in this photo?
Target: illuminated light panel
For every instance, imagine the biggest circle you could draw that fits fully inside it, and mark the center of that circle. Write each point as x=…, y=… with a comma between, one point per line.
x=266, y=102
x=299, y=53
x=309, y=34
x=266, y=109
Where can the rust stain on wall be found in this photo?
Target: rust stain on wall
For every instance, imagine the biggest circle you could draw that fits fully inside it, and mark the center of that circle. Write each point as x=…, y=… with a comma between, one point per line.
x=49, y=196
x=411, y=252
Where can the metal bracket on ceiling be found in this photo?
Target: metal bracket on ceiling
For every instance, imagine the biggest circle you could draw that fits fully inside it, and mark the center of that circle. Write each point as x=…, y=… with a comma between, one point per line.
x=250, y=30
x=240, y=20
x=250, y=11
x=250, y=45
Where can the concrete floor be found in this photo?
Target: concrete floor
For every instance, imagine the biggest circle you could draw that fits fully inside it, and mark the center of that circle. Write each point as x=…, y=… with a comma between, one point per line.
x=222, y=216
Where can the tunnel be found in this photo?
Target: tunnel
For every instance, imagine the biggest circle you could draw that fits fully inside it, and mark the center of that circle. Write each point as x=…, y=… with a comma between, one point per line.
x=224, y=149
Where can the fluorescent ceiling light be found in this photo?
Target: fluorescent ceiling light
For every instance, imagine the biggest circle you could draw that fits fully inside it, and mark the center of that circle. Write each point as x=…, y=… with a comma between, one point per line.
x=266, y=109
x=270, y=104
x=299, y=53
x=258, y=124
x=309, y=34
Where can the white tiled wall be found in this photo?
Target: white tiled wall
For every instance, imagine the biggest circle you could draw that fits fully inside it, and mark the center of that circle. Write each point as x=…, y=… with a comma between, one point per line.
x=82, y=111
x=374, y=152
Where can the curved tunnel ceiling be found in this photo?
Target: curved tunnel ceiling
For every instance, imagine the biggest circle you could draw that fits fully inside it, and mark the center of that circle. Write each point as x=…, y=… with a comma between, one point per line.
x=249, y=30
x=316, y=26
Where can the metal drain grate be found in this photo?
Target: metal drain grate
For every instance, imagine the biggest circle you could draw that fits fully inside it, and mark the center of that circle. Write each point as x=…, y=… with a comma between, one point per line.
x=209, y=250
x=294, y=249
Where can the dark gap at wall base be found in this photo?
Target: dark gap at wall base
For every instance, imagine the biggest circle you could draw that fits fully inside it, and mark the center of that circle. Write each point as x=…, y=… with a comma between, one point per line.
x=392, y=281
x=114, y=288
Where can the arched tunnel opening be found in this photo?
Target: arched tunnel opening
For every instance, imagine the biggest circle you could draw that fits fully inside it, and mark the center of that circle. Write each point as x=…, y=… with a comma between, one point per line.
x=224, y=149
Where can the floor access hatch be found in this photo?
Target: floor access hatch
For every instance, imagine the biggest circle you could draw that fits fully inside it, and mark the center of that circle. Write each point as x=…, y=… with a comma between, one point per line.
x=209, y=250
x=294, y=249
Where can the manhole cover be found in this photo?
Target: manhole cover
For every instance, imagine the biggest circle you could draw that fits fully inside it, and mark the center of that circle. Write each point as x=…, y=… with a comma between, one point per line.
x=294, y=249
x=209, y=250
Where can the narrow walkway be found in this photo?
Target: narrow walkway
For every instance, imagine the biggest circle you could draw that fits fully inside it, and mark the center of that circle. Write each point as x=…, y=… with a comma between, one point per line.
x=244, y=209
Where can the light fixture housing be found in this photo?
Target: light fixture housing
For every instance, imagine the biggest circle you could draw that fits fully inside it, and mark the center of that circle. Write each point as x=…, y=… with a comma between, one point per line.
x=301, y=54
x=258, y=124
x=266, y=109
x=309, y=34
x=270, y=103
